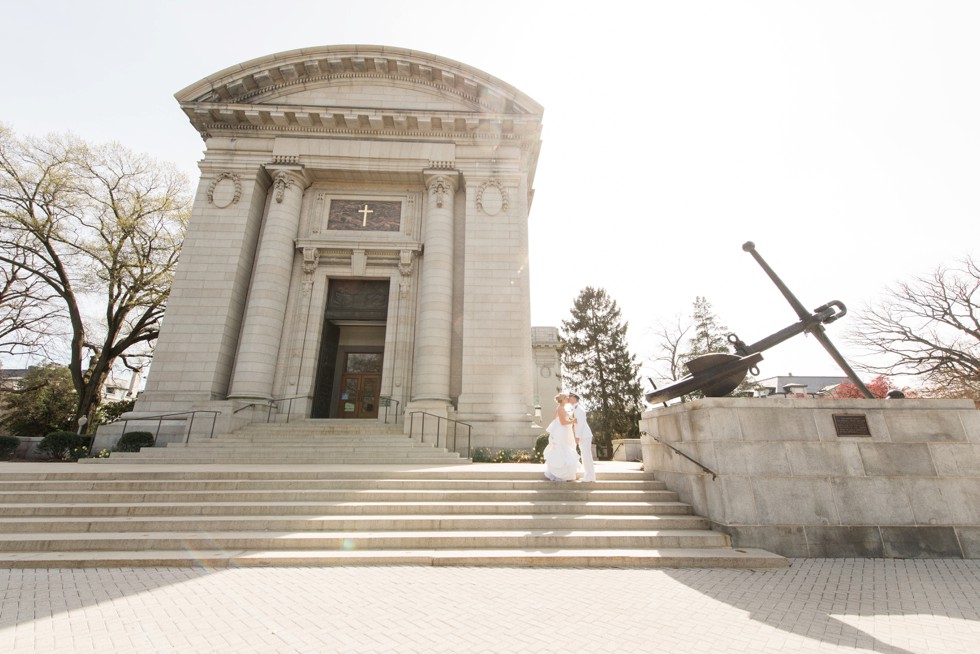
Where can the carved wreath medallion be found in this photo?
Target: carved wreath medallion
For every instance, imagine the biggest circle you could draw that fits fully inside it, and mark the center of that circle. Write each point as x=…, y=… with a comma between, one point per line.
x=227, y=188
x=492, y=198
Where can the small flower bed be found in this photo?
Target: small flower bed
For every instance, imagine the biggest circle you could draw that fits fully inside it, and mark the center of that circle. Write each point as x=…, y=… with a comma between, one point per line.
x=488, y=455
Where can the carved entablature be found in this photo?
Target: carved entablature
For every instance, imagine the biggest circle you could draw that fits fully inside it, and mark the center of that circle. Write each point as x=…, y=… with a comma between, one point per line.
x=492, y=198
x=400, y=258
x=224, y=190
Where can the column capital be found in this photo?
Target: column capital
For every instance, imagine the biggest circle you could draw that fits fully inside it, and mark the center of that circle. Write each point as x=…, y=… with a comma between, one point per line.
x=286, y=175
x=441, y=183
x=438, y=175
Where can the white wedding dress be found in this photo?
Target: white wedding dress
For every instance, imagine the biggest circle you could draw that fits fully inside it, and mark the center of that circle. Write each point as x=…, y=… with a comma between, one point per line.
x=560, y=457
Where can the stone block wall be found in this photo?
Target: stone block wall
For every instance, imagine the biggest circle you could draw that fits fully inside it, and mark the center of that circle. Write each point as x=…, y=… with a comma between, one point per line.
x=786, y=481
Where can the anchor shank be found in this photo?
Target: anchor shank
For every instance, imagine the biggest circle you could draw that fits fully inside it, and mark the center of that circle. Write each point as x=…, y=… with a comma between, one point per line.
x=819, y=334
x=798, y=307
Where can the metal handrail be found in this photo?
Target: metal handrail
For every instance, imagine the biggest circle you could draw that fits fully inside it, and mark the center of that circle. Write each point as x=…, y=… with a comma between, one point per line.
x=714, y=475
x=386, y=400
x=439, y=420
x=190, y=426
x=272, y=403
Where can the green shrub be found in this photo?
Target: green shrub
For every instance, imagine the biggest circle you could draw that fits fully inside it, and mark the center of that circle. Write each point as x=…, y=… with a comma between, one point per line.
x=7, y=446
x=486, y=455
x=64, y=445
x=540, y=443
x=132, y=441
x=110, y=411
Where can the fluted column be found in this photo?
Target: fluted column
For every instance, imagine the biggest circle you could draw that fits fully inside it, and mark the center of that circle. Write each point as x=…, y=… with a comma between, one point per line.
x=433, y=338
x=258, y=346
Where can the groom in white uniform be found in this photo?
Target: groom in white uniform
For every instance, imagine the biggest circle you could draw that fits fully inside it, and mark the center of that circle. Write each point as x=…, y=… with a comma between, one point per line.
x=583, y=435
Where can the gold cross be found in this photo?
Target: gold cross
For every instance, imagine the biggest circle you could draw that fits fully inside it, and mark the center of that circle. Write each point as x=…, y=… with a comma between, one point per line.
x=365, y=211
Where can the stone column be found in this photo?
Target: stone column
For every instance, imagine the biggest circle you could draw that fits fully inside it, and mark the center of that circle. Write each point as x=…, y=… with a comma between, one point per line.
x=258, y=346
x=435, y=318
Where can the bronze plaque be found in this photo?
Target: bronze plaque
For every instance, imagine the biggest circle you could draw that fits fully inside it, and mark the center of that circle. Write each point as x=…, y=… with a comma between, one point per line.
x=365, y=216
x=851, y=425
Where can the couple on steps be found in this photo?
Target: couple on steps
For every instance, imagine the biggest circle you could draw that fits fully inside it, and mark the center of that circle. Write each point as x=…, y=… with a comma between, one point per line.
x=568, y=428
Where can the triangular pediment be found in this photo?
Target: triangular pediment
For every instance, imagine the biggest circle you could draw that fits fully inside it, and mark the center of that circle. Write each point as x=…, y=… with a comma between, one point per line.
x=358, y=87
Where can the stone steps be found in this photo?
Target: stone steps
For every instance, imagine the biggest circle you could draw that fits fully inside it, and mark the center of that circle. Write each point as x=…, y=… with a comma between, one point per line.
x=318, y=484
x=368, y=540
x=580, y=558
x=347, y=442
x=65, y=515
x=260, y=459
x=213, y=509
x=9, y=497
x=318, y=523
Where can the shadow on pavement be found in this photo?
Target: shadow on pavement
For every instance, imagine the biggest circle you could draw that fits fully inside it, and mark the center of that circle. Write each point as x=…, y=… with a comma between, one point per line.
x=805, y=598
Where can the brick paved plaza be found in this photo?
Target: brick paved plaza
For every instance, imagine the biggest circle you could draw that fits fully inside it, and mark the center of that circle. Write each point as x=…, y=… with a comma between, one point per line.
x=816, y=605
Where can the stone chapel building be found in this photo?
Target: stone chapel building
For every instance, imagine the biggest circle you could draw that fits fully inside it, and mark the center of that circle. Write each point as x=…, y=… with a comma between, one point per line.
x=358, y=240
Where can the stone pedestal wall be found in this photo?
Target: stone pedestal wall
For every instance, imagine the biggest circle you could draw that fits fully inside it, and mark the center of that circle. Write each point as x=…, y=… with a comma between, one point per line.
x=785, y=480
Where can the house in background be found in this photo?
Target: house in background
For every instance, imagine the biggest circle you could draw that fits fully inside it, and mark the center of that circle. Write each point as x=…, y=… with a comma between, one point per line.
x=795, y=385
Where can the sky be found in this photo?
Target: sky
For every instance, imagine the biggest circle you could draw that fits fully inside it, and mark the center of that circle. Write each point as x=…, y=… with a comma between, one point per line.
x=841, y=137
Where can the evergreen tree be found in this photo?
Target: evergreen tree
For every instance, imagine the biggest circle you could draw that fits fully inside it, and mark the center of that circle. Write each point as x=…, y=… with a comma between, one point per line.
x=709, y=334
x=599, y=368
x=44, y=402
x=710, y=337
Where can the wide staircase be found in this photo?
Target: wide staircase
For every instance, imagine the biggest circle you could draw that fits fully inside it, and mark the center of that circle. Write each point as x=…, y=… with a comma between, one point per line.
x=66, y=515
x=304, y=441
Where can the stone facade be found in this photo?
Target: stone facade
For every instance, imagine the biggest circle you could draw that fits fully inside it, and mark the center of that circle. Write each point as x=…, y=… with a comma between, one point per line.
x=826, y=478
x=335, y=179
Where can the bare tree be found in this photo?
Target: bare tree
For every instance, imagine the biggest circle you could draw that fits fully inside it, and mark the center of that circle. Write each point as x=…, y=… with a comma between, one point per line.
x=928, y=327
x=28, y=315
x=670, y=338
x=94, y=233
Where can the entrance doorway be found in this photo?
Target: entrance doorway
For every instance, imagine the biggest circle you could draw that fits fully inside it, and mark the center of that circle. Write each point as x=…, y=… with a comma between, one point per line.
x=360, y=385
x=349, y=366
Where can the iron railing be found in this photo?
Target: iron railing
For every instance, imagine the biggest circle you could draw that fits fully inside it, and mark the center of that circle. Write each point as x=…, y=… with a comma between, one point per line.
x=714, y=475
x=273, y=404
x=439, y=421
x=386, y=402
x=159, y=419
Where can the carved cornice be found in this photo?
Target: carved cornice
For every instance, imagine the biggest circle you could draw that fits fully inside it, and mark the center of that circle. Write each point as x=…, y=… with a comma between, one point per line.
x=215, y=118
x=243, y=97
x=319, y=66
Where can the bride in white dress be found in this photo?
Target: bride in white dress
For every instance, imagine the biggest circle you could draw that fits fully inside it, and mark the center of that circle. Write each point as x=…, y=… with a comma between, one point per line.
x=560, y=457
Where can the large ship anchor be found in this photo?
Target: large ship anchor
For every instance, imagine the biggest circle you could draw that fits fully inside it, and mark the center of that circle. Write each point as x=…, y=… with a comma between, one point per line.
x=720, y=373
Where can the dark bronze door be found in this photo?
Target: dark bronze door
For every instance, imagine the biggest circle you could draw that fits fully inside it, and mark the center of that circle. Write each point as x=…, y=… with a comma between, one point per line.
x=360, y=385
